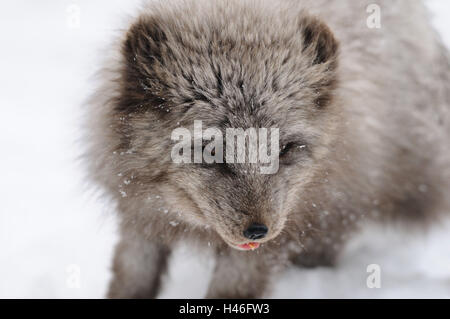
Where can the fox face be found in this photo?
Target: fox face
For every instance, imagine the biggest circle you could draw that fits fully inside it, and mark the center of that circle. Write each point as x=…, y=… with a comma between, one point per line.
x=227, y=74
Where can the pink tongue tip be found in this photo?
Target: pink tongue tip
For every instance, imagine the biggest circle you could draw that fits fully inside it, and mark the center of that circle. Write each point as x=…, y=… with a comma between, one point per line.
x=249, y=246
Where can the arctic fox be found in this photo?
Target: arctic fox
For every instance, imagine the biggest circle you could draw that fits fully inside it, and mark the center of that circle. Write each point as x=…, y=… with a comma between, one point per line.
x=362, y=111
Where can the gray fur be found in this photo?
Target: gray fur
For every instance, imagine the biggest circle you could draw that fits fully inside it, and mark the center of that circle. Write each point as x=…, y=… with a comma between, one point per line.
x=372, y=106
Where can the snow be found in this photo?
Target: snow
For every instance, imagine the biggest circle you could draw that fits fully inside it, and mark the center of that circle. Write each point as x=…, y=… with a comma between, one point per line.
x=57, y=238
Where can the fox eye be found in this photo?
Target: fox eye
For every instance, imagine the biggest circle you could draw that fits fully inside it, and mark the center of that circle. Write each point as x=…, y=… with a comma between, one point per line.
x=286, y=148
x=291, y=146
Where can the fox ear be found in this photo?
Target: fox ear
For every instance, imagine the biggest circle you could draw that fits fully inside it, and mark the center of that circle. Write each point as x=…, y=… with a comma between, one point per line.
x=142, y=64
x=142, y=46
x=318, y=41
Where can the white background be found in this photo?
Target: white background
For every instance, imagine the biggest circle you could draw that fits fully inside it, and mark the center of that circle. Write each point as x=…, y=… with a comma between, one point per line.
x=49, y=220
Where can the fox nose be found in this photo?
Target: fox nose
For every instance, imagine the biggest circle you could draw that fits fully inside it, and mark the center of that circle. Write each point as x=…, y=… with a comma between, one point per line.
x=256, y=231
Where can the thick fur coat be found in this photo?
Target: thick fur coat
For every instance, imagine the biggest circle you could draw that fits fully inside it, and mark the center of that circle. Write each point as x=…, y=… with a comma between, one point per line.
x=363, y=116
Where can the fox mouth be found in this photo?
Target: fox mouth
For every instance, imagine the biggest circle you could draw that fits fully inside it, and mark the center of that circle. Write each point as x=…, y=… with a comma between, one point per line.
x=249, y=246
x=246, y=247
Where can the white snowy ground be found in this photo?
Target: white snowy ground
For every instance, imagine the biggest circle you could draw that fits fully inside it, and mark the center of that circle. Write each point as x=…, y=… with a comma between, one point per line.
x=52, y=232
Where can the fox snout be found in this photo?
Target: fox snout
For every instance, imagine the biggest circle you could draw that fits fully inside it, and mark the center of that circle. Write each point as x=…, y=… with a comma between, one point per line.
x=256, y=231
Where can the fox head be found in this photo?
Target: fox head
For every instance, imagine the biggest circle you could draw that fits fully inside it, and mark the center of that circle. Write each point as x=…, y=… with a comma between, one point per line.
x=259, y=69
